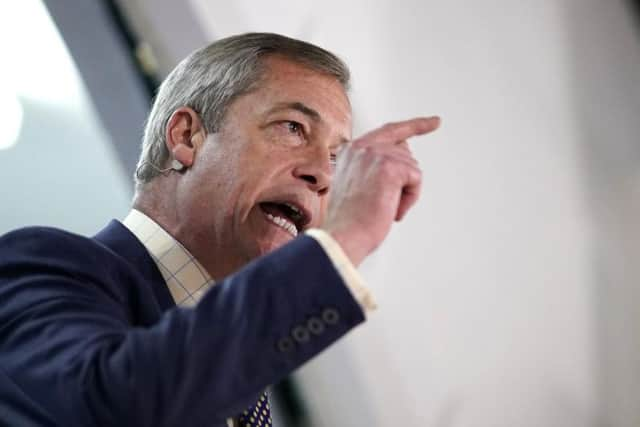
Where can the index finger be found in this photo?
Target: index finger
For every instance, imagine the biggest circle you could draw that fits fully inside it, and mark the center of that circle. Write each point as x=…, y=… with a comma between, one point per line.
x=399, y=131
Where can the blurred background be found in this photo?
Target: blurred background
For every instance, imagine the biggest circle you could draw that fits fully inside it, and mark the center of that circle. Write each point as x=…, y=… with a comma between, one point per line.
x=510, y=296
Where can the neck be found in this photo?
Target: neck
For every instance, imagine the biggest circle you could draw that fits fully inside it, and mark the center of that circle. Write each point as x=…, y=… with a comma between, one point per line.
x=157, y=200
x=151, y=200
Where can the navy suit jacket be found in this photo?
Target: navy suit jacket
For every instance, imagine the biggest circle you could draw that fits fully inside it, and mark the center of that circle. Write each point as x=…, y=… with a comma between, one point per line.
x=90, y=336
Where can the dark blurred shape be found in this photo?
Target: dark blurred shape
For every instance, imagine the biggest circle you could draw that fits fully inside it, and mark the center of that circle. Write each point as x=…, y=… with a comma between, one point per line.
x=146, y=73
x=290, y=404
x=634, y=5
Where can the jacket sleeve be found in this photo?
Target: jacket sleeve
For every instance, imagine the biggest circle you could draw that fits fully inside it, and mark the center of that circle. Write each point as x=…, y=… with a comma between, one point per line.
x=68, y=342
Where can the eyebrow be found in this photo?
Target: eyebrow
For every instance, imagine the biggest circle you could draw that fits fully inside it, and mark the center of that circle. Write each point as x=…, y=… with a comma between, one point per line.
x=304, y=109
x=298, y=106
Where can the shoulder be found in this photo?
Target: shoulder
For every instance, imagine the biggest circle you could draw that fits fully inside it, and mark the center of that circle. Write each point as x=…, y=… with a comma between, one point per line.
x=48, y=245
x=25, y=237
x=50, y=258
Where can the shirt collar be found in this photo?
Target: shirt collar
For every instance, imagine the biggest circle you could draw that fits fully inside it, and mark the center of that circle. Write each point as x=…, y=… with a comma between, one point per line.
x=186, y=278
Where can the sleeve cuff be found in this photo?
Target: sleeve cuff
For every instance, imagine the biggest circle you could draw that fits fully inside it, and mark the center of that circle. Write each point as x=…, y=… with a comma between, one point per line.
x=347, y=271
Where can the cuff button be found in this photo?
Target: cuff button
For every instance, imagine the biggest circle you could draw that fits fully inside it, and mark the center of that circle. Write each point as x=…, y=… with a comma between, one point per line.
x=315, y=326
x=285, y=345
x=330, y=316
x=300, y=334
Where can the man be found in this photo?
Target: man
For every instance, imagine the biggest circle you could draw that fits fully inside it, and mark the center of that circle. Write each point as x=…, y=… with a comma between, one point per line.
x=236, y=264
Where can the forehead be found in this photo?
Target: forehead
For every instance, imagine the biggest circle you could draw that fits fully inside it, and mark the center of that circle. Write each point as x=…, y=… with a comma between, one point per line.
x=284, y=81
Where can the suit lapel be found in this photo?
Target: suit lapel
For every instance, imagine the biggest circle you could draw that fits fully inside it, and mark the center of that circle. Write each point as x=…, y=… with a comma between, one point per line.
x=121, y=241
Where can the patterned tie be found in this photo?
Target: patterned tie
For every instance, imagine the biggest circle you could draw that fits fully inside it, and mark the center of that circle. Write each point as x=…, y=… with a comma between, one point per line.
x=257, y=415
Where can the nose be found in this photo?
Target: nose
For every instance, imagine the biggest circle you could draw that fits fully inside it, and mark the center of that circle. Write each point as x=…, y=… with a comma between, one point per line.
x=315, y=170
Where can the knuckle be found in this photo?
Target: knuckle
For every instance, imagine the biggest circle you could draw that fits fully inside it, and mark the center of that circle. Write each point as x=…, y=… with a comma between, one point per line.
x=416, y=175
x=388, y=165
x=405, y=149
x=414, y=169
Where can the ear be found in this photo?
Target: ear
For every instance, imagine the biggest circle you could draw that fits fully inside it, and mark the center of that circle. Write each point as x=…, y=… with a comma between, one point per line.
x=185, y=133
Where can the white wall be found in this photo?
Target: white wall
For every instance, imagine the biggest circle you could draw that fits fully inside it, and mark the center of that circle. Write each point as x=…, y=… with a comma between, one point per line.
x=508, y=296
x=485, y=310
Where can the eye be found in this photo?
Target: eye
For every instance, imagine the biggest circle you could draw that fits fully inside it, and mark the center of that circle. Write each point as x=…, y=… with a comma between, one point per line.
x=294, y=128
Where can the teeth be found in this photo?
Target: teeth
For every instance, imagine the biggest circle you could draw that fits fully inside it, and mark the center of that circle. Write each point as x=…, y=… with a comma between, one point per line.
x=278, y=220
x=293, y=208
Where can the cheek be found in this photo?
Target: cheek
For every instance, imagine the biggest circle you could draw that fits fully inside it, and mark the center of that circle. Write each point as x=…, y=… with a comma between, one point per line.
x=267, y=168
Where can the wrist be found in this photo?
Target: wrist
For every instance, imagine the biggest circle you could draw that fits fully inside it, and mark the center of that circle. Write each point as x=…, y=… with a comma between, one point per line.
x=353, y=247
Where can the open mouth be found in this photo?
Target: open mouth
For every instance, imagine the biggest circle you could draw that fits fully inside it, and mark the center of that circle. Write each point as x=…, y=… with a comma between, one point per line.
x=289, y=216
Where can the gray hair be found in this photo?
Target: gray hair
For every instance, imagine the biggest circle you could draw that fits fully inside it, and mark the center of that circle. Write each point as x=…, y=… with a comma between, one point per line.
x=209, y=79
